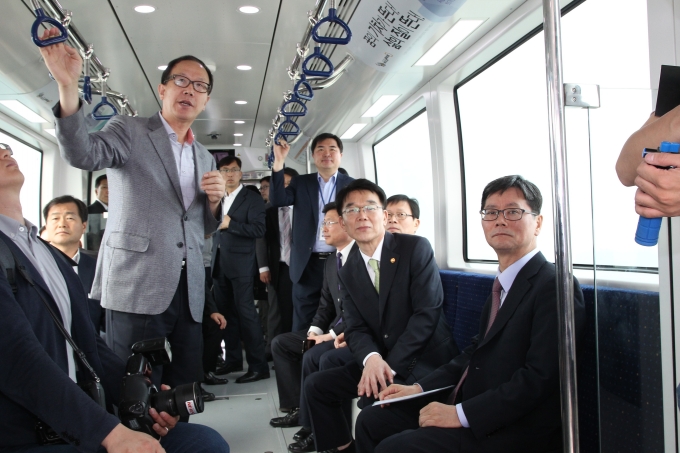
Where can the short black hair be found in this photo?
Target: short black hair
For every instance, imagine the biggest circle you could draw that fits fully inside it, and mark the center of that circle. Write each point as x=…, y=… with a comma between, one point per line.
x=265, y=179
x=324, y=136
x=531, y=193
x=228, y=161
x=82, y=207
x=329, y=207
x=291, y=172
x=98, y=181
x=165, y=77
x=412, y=202
x=343, y=171
x=252, y=188
x=356, y=186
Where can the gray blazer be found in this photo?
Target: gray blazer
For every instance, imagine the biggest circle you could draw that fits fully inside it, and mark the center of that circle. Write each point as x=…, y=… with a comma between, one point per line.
x=148, y=229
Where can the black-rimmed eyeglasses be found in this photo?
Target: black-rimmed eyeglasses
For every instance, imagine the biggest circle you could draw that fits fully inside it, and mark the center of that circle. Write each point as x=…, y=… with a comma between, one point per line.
x=513, y=214
x=6, y=147
x=183, y=82
x=397, y=215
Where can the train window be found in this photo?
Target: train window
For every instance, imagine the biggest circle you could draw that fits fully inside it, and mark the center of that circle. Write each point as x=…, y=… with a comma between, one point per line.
x=404, y=166
x=30, y=163
x=503, y=125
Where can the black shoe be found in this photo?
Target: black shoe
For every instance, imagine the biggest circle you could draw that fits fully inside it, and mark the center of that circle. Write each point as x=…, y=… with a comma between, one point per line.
x=303, y=445
x=211, y=379
x=350, y=449
x=286, y=409
x=252, y=376
x=207, y=396
x=226, y=369
x=220, y=361
x=289, y=421
x=302, y=434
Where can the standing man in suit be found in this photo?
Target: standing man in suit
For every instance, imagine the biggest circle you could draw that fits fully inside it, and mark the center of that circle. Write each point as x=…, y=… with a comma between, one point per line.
x=101, y=190
x=392, y=296
x=233, y=265
x=327, y=325
x=308, y=194
x=506, y=396
x=65, y=227
x=166, y=195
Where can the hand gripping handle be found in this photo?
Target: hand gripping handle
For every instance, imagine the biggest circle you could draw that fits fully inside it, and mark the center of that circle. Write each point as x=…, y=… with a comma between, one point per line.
x=40, y=19
x=332, y=18
x=317, y=54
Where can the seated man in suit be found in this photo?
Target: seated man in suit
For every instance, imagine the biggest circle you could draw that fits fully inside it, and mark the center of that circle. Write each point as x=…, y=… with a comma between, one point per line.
x=506, y=396
x=233, y=266
x=101, y=190
x=327, y=325
x=392, y=296
x=66, y=221
x=37, y=366
x=403, y=214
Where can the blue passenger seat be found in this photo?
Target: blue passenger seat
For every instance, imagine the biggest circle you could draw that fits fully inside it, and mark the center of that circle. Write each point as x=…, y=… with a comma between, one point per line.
x=624, y=413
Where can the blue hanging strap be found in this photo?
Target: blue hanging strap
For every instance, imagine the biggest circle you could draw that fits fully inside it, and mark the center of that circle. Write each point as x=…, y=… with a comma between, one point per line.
x=303, y=84
x=332, y=18
x=42, y=19
x=289, y=103
x=104, y=103
x=87, y=83
x=317, y=55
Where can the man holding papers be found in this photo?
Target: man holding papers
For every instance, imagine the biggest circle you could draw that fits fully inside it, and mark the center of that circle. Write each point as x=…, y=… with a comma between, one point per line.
x=505, y=395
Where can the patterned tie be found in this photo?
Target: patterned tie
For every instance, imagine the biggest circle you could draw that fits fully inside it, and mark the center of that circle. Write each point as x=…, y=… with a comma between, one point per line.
x=285, y=234
x=495, y=306
x=339, y=267
x=375, y=265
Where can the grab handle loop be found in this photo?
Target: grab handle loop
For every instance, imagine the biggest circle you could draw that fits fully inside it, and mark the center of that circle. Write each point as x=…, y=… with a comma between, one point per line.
x=332, y=18
x=303, y=84
x=87, y=83
x=318, y=55
x=291, y=133
x=42, y=18
x=103, y=104
x=293, y=100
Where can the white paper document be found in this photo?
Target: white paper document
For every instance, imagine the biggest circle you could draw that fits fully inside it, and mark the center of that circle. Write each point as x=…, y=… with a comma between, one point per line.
x=410, y=397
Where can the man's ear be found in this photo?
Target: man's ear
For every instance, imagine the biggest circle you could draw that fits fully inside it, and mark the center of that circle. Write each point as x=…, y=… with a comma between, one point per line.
x=161, y=90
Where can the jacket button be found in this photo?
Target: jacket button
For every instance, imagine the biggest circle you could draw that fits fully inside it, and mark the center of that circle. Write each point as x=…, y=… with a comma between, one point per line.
x=186, y=218
x=180, y=244
x=387, y=336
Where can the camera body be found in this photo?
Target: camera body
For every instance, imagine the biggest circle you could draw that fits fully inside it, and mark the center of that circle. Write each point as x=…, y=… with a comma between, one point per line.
x=139, y=394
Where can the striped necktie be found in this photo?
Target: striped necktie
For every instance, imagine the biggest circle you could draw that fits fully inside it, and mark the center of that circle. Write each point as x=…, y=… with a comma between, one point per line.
x=375, y=265
x=285, y=234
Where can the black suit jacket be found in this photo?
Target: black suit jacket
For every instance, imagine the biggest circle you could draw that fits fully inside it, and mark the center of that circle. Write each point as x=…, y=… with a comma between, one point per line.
x=86, y=267
x=511, y=393
x=273, y=242
x=96, y=208
x=34, y=381
x=234, y=248
x=330, y=314
x=303, y=194
x=405, y=323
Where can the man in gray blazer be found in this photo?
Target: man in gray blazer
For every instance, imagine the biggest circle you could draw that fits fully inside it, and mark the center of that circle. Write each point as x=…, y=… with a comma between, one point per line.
x=165, y=196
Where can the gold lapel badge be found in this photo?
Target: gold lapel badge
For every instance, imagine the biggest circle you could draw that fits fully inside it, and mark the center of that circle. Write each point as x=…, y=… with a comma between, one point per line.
x=393, y=260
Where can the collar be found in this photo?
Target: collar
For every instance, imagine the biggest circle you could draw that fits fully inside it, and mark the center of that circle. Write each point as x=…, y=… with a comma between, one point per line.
x=331, y=179
x=234, y=193
x=173, y=135
x=12, y=228
x=345, y=252
x=103, y=204
x=376, y=255
x=76, y=257
x=507, y=277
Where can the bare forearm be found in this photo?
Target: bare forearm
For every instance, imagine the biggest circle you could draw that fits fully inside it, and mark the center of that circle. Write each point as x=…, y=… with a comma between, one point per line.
x=69, y=100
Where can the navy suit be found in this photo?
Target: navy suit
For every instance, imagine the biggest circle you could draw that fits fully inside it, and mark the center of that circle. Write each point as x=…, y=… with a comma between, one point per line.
x=86, y=268
x=34, y=381
x=233, y=263
x=306, y=272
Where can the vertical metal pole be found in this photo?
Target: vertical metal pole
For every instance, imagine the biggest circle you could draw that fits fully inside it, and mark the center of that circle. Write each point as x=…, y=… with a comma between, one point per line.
x=309, y=160
x=564, y=282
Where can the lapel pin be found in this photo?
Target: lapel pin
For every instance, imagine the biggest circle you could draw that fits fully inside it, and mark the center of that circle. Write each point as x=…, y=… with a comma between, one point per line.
x=393, y=260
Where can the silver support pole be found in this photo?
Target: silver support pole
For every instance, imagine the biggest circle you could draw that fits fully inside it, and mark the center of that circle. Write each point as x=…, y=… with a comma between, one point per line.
x=564, y=281
x=309, y=160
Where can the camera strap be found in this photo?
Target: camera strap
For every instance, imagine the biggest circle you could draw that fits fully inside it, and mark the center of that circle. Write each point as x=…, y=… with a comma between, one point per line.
x=22, y=270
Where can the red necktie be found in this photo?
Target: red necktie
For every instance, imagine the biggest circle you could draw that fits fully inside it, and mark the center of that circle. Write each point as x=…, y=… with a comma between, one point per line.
x=495, y=306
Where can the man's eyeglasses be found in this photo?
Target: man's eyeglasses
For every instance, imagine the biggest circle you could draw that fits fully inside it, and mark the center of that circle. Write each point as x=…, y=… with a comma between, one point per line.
x=263, y=188
x=509, y=213
x=183, y=82
x=6, y=147
x=398, y=215
x=327, y=223
x=230, y=170
x=369, y=209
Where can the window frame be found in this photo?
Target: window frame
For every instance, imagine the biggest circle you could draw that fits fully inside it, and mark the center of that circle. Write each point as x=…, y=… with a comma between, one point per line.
x=406, y=121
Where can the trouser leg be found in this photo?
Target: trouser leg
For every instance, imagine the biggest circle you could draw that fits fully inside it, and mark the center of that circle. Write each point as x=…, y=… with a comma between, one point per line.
x=287, y=352
x=284, y=294
x=249, y=325
x=311, y=364
x=336, y=358
x=224, y=299
x=306, y=294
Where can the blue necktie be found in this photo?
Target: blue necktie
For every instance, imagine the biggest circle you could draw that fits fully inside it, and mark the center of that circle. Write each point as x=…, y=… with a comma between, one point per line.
x=339, y=267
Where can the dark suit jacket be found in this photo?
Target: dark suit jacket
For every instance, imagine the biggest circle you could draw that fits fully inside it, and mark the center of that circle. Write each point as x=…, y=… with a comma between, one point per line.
x=330, y=314
x=511, y=394
x=236, y=252
x=405, y=323
x=303, y=194
x=86, y=268
x=34, y=381
x=96, y=208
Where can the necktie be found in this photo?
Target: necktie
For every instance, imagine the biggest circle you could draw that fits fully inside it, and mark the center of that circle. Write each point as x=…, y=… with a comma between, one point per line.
x=495, y=306
x=285, y=234
x=339, y=267
x=375, y=265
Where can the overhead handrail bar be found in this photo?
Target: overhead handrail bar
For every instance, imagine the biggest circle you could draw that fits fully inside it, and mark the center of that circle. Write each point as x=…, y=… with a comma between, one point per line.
x=314, y=16
x=317, y=55
x=103, y=104
x=87, y=83
x=41, y=19
x=332, y=18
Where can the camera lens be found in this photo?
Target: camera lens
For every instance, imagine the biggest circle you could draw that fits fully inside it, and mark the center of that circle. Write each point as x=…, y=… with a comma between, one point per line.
x=183, y=400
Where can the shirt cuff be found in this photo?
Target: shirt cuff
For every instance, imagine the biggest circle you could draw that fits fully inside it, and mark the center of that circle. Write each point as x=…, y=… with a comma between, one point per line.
x=461, y=416
x=264, y=269
x=333, y=334
x=369, y=355
x=316, y=330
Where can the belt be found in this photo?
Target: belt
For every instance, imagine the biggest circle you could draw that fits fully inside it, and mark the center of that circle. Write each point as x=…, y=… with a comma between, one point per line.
x=322, y=255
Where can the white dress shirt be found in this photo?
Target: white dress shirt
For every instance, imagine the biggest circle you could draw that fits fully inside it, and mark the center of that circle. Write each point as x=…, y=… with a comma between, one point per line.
x=184, y=159
x=326, y=191
x=229, y=200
